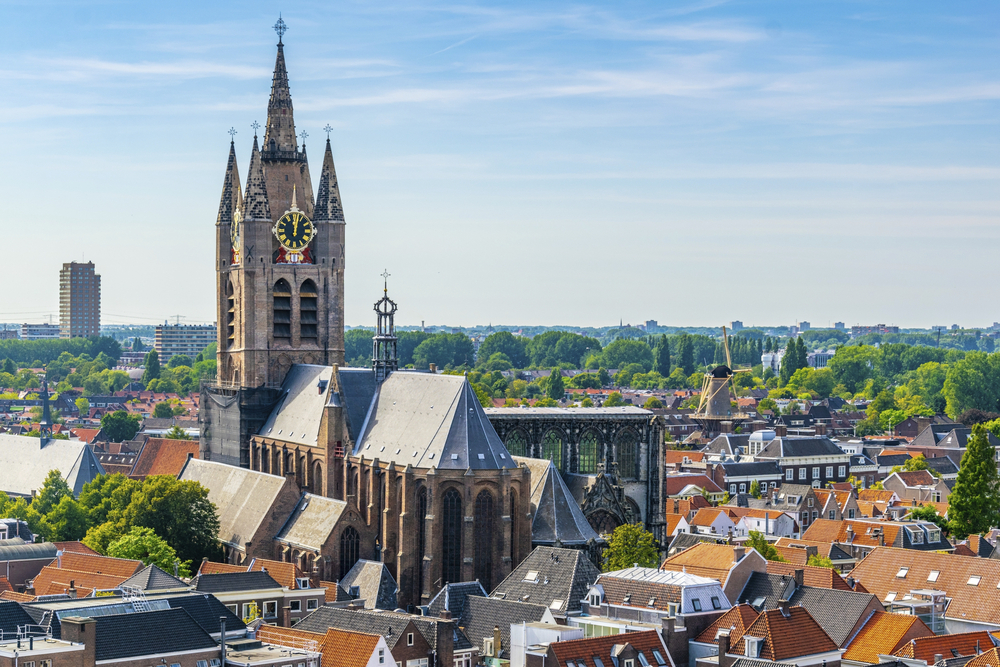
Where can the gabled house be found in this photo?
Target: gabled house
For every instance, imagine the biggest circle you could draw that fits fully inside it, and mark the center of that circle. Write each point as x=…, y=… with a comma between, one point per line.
x=713, y=521
x=861, y=536
x=799, y=500
x=557, y=579
x=836, y=505
x=730, y=565
x=767, y=521
x=787, y=635
x=815, y=461
x=918, y=485
x=883, y=634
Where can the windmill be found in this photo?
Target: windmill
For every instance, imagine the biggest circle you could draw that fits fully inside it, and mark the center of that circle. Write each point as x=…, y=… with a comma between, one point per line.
x=718, y=386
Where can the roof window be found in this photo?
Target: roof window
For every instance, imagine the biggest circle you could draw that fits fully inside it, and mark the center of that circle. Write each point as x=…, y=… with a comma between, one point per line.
x=902, y=573
x=556, y=604
x=659, y=657
x=642, y=659
x=890, y=596
x=598, y=662
x=532, y=576
x=974, y=580
x=715, y=602
x=932, y=577
x=696, y=603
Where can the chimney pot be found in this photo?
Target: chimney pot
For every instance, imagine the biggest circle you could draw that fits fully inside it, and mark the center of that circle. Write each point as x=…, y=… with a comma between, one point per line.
x=445, y=614
x=785, y=606
x=800, y=577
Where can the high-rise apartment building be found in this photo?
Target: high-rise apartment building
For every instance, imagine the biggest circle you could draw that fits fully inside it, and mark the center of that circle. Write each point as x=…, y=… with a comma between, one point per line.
x=189, y=339
x=79, y=301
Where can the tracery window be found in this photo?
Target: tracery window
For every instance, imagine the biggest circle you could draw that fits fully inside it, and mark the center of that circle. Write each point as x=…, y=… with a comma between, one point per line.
x=552, y=448
x=421, y=537
x=628, y=455
x=451, y=538
x=516, y=444
x=588, y=453
x=513, y=528
x=350, y=550
x=485, y=535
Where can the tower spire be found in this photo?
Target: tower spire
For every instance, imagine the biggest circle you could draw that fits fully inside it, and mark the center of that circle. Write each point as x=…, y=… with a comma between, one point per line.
x=384, y=353
x=328, y=205
x=45, y=426
x=255, y=205
x=279, y=137
x=232, y=194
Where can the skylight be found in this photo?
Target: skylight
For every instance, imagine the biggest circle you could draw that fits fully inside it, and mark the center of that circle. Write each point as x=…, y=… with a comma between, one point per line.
x=974, y=580
x=933, y=575
x=532, y=576
x=902, y=573
x=890, y=596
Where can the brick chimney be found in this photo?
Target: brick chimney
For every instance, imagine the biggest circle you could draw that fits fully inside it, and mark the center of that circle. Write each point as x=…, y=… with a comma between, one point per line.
x=780, y=430
x=786, y=606
x=286, y=616
x=738, y=553
x=922, y=424
x=820, y=429
x=725, y=660
x=81, y=630
x=72, y=589
x=799, y=577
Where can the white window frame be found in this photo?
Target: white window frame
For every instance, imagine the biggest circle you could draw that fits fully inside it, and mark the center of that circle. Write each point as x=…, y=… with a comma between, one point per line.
x=409, y=639
x=271, y=605
x=803, y=473
x=841, y=471
x=815, y=472
x=829, y=472
x=312, y=604
x=789, y=475
x=296, y=605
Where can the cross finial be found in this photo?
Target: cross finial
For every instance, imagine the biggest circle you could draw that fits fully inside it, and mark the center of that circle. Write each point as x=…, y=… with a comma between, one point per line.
x=255, y=125
x=303, y=134
x=385, y=278
x=280, y=27
x=232, y=134
x=328, y=130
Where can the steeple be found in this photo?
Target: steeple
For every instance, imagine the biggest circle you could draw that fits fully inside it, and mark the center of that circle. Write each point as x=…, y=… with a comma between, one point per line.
x=279, y=137
x=384, y=354
x=45, y=426
x=232, y=195
x=328, y=206
x=255, y=206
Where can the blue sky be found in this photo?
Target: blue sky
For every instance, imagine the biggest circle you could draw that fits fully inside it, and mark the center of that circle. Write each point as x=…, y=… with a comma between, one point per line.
x=533, y=163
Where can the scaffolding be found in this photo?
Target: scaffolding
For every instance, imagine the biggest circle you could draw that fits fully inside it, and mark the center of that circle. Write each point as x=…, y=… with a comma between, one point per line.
x=926, y=604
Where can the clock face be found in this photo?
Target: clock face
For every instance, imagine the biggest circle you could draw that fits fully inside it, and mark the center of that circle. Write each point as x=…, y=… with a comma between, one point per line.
x=294, y=230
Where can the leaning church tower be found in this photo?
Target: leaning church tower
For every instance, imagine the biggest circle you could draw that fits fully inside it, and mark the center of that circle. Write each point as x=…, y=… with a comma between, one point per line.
x=280, y=277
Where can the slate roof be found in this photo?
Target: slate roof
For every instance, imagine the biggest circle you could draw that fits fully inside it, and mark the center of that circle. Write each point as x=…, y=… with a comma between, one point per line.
x=727, y=445
x=786, y=637
x=452, y=597
x=557, y=516
x=430, y=420
x=297, y=415
x=951, y=436
x=13, y=615
x=25, y=462
x=386, y=623
x=27, y=551
x=883, y=634
x=357, y=389
x=684, y=541
x=583, y=651
x=234, y=581
x=482, y=614
x=649, y=588
x=153, y=578
x=569, y=574
x=312, y=522
x=206, y=611
x=149, y=633
x=942, y=465
x=789, y=447
x=375, y=585
x=751, y=469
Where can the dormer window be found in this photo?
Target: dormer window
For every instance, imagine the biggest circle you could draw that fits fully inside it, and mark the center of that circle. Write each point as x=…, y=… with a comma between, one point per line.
x=696, y=604
x=595, y=600
x=753, y=646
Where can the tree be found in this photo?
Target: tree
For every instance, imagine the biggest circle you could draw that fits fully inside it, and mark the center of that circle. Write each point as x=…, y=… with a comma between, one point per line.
x=485, y=399
x=929, y=513
x=120, y=425
x=653, y=403
x=83, y=406
x=177, y=433
x=556, y=389
x=974, y=503
x=613, y=400
x=152, y=365
x=764, y=548
x=137, y=345
x=9, y=367
x=54, y=489
x=789, y=362
x=685, y=353
x=623, y=352
x=815, y=560
x=67, y=522
x=661, y=356
x=755, y=489
x=163, y=410
x=506, y=343
x=180, y=512
x=629, y=545
x=767, y=404
x=145, y=545
x=973, y=382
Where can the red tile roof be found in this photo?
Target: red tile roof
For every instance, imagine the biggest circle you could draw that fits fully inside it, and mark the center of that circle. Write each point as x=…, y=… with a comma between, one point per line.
x=884, y=634
x=965, y=643
x=916, y=478
x=582, y=651
x=77, y=547
x=736, y=620
x=786, y=637
x=340, y=648
x=990, y=658
x=705, y=560
x=674, y=484
x=817, y=577
x=163, y=456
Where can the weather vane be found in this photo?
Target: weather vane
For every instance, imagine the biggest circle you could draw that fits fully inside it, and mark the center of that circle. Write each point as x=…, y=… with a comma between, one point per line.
x=255, y=125
x=385, y=278
x=232, y=134
x=303, y=134
x=280, y=28
x=328, y=130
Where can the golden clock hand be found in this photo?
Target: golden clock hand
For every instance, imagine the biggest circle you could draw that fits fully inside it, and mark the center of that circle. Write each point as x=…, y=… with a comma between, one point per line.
x=295, y=226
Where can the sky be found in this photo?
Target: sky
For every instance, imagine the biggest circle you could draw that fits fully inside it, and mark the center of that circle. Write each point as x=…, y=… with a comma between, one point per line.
x=533, y=163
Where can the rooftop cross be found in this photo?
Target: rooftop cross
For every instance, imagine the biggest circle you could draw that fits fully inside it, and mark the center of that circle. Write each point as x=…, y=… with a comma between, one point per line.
x=280, y=27
x=255, y=125
x=385, y=277
x=232, y=134
x=328, y=130
x=303, y=134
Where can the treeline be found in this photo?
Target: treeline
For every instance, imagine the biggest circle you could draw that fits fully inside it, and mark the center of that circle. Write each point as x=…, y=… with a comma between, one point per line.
x=38, y=353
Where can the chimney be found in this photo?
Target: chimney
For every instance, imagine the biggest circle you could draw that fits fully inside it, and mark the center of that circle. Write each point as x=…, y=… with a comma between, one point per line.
x=222, y=637
x=724, y=659
x=938, y=658
x=820, y=429
x=738, y=553
x=923, y=423
x=445, y=615
x=72, y=589
x=80, y=630
x=785, y=605
x=286, y=616
x=780, y=430
x=850, y=582
x=433, y=368
x=496, y=641
x=799, y=577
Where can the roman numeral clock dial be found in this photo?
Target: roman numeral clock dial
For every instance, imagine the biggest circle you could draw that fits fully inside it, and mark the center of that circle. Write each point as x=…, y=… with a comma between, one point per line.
x=294, y=232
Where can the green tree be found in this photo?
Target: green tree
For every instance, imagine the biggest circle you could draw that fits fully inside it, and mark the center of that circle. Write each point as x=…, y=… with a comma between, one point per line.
x=623, y=352
x=485, y=399
x=685, y=354
x=789, y=362
x=755, y=489
x=358, y=347
x=629, y=545
x=180, y=360
x=163, y=410
x=973, y=382
x=66, y=522
x=764, y=548
x=9, y=367
x=120, y=425
x=767, y=404
x=145, y=545
x=613, y=400
x=653, y=403
x=83, y=406
x=152, y=367
x=815, y=560
x=661, y=356
x=556, y=389
x=974, y=503
x=176, y=433
x=444, y=350
x=506, y=343
x=54, y=489
x=137, y=345
x=853, y=365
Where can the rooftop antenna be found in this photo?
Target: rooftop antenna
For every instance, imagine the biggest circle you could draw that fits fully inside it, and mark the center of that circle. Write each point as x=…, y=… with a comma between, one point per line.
x=178, y=318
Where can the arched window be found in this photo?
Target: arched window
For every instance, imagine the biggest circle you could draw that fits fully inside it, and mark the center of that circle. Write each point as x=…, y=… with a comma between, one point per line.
x=350, y=550
x=230, y=315
x=484, y=539
x=552, y=448
x=316, y=479
x=421, y=538
x=513, y=528
x=516, y=444
x=308, y=298
x=588, y=453
x=282, y=309
x=628, y=455
x=451, y=538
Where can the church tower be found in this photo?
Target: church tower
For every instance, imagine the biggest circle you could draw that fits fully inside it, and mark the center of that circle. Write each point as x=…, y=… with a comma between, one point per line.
x=280, y=277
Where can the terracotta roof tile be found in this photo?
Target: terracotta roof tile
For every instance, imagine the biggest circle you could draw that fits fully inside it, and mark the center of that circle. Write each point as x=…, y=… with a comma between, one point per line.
x=884, y=634
x=582, y=651
x=736, y=620
x=678, y=456
x=990, y=658
x=825, y=530
x=949, y=646
x=786, y=637
x=163, y=456
x=116, y=567
x=674, y=484
x=209, y=567
x=817, y=577
x=916, y=478
x=16, y=597
x=53, y=580
x=76, y=547
x=876, y=495
x=672, y=521
x=793, y=555
x=340, y=648
x=703, y=559
x=284, y=573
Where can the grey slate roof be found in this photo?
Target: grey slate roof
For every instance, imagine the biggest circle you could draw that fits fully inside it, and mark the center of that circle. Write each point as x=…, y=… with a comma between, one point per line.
x=28, y=551
x=785, y=447
x=149, y=633
x=375, y=585
x=25, y=462
x=727, y=444
x=297, y=415
x=684, y=541
x=951, y=436
x=483, y=614
x=751, y=469
x=312, y=521
x=226, y=582
x=428, y=420
x=13, y=615
x=152, y=578
x=386, y=623
x=357, y=389
x=942, y=465
x=558, y=518
x=206, y=611
x=452, y=597
x=564, y=575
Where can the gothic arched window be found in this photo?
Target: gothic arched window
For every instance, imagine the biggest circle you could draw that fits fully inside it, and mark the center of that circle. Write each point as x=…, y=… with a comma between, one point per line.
x=484, y=539
x=350, y=550
x=552, y=448
x=628, y=455
x=421, y=539
x=513, y=528
x=451, y=538
x=282, y=309
x=587, y=462
x=308, y=298
x=516, y=444
x=230, y=315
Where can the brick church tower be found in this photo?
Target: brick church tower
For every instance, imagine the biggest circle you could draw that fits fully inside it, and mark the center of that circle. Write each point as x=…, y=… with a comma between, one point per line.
x=280, y=277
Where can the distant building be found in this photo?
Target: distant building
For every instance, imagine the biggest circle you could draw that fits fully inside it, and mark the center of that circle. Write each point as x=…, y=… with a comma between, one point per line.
x=8, y=334
x=189, y=339
x=819, y=359
x=804, y=326
x=839, y=326
x=859, y=330
x=652, y=326
x=39, y=331
x=736, y=326
x=79, y=301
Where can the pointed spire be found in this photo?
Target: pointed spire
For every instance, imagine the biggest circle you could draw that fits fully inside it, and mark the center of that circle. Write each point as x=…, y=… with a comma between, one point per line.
x=232, y=194
x=328, y=207
x=255, y=206
x=45, y=426
x=280, y=132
